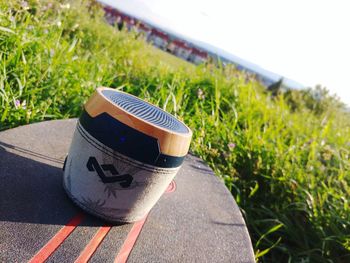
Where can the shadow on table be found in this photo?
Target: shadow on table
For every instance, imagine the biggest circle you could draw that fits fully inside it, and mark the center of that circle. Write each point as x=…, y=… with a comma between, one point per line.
x=32, y=191
x=31, y=153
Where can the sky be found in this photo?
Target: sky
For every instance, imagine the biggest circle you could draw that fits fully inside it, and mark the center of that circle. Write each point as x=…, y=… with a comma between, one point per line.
x=307, y=41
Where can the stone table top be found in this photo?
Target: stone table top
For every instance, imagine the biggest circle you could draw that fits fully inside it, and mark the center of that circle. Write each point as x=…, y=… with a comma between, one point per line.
x=198, y=222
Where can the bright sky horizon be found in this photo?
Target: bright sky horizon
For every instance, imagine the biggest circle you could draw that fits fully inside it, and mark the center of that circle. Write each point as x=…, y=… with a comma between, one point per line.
x=306, y=41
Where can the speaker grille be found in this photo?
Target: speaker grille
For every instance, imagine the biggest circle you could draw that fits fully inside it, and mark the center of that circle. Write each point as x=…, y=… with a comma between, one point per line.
x=145, y=111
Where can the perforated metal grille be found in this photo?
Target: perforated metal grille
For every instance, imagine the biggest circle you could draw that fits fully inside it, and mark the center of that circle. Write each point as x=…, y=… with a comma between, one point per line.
x=145, y=111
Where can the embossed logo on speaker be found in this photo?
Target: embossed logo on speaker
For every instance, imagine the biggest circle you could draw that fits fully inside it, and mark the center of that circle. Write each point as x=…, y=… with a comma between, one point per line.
x=124, y=180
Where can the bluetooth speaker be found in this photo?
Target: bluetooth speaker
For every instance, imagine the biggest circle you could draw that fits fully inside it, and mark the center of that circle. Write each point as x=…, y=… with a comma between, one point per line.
x=124, y=154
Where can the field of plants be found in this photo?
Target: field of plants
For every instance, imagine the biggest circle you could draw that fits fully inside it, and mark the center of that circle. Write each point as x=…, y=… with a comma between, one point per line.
x=285, y=158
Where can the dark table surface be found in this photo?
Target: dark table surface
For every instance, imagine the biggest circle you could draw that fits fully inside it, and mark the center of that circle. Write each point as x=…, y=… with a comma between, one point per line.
x=198, y=222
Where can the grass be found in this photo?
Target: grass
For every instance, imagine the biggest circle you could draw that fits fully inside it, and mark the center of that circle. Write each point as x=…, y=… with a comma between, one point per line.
x=287, y=166
x=165, y=59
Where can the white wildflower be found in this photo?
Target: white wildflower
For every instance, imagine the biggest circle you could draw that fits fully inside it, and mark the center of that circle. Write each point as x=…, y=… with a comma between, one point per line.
x=66, y=6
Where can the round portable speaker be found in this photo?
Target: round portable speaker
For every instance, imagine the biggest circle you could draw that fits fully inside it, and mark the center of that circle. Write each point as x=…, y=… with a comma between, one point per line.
x=124, y=154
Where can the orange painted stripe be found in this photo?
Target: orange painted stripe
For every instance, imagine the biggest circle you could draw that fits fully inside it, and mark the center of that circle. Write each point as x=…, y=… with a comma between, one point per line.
x=130, y=241
x=57, y=240
x=94, y=243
